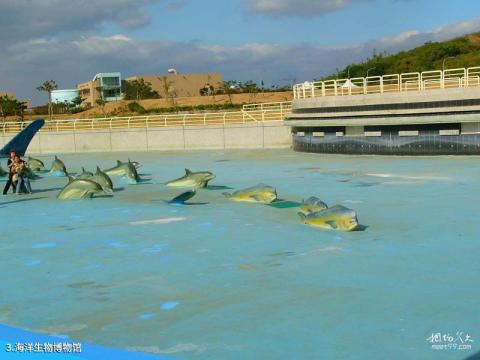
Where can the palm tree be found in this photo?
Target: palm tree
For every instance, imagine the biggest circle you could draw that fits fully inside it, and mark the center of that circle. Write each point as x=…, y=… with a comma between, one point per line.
x=48, y=86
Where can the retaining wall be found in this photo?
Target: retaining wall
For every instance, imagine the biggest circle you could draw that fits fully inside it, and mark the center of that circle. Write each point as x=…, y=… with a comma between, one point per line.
x=273, y=134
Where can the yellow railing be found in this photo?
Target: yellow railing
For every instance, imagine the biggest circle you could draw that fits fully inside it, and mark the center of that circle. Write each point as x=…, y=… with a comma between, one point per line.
x=251, y=115
x=415, y=81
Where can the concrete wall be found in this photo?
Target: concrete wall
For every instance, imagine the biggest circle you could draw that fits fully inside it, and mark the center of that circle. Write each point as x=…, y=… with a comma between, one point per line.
x=243, y=136
x=412, y=107
x=388, y=98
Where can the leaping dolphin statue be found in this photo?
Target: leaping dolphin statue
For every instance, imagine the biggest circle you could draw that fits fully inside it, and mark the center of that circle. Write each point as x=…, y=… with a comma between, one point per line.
x=35, y=164
x=135, y=163
x=103, y=180
x=20, y=142
x=2, y=172
x=85, y=174
x=192, y=179
x=124, y=169
x=58, y=168
x=79, y=189
x=31, y=174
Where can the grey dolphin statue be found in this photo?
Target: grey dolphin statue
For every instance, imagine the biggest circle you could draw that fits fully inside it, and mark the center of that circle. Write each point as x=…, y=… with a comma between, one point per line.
x=30, y=173
x=124, y=169
x=192, y=179
x=104, y=180
x=85, y=174
x=260, y=193
x=35, y=164
x=79, y=189
x=135, y=163
x=2, y=171
x=58, y=167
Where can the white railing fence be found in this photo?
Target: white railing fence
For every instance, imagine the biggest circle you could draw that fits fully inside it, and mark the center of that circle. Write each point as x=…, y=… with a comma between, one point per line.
x=250, y=114
x=414, y=81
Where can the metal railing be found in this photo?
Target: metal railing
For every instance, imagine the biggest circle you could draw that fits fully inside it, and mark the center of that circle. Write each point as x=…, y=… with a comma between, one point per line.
x=251, y=115
x=415, y=81
x=268, y=111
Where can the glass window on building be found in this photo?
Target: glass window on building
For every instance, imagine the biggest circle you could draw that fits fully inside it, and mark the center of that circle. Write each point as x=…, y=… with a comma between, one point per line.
x=111, y=93
x=110, y=81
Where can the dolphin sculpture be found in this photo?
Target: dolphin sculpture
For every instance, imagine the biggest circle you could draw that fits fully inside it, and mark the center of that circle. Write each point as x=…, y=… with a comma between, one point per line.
x=124, y=169
x=312, y=205
x=58, y=168
x=103, y=180
x=2, y=171
x=35, y=164
x=192, y=179
x=79, y=189
x=337, y=217
x=260, y=193
x=20, y=142
x=31, y=174
x=85, y=174
x=135, y=163
x=180, y=199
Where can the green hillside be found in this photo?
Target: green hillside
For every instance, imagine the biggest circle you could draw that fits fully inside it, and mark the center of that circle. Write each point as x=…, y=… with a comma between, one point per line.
x=461, y=52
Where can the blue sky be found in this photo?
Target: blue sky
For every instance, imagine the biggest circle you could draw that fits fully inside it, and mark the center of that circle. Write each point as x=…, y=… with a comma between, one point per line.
x=270, y=40
x=234, y=22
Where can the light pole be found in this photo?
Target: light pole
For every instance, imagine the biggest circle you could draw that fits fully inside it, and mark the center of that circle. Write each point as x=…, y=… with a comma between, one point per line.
x=443, y=69
x=444, y=60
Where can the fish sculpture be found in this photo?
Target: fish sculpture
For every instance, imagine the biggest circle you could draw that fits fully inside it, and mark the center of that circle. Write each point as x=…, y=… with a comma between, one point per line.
x=337, y=217
x=260, y=193
x=312, y=205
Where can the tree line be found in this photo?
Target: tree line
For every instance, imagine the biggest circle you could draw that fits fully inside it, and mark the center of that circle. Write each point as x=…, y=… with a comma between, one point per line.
x=12, y=107
x=137, y=89
x=462, y=52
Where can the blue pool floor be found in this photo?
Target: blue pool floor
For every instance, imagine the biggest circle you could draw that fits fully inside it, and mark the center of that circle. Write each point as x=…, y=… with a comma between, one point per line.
x=225, y=280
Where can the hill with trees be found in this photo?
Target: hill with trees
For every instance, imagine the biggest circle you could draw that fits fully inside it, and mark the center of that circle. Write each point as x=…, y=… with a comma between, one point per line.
x=461, y=52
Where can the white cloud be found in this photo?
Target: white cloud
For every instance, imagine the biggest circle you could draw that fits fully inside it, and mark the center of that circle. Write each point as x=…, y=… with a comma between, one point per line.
x=307, y=8
x=23, y=19
x=73, y=60
x=413, y=38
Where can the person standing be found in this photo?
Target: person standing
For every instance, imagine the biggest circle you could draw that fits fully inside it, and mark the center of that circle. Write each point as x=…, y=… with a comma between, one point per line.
x=20, y=175
x=10, y=173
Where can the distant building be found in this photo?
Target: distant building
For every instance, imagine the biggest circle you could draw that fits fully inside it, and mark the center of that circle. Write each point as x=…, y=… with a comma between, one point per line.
x=61, y=96
x=181, y=85
x=106, y=86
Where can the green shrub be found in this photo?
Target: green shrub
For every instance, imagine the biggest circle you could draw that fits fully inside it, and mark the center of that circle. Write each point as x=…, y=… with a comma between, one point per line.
x=136, y=108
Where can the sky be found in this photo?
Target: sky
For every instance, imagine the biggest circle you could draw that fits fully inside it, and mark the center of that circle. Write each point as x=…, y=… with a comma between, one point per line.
x=275, y=41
